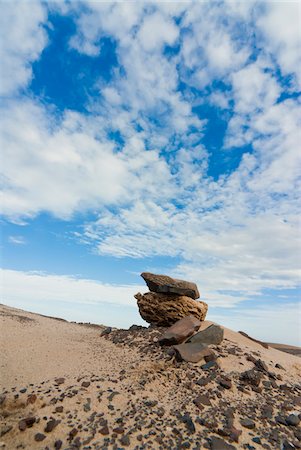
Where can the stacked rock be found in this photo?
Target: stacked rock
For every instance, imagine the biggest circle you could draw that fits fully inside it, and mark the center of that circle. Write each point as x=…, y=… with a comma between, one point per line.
x=169, y=300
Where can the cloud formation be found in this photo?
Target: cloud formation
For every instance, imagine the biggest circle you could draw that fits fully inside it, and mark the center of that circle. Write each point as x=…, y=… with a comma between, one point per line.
x=150, y=188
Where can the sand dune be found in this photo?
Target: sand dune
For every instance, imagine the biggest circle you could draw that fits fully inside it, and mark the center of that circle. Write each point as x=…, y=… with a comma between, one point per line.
x=63, y=385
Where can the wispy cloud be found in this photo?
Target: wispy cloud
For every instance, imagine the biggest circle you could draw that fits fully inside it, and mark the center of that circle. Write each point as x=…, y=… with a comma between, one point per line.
x=17, y=240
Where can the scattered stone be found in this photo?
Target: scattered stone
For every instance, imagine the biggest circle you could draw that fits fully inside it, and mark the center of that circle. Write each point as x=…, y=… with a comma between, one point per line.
x=214, y=334
x=59, y=380
x=5, y=429
x=26, y=423
x=202, y=399
x=86, y=384
x=166, y=285
x=279, y=366
x=39, y=437
x=210, y=365
x=261, y=365
x=164, y=310
x=225, y=382
x=31, y=399
x=248, y=423
x=217, y=443
x=106, y=331
x=188, y=422
x=252, y=377
x=104, y=430
x=58, y=444
x=125, y=440
x=180, y=331
x=59, y=409
x=192, y=352
x=51, y=425
x=292, y=420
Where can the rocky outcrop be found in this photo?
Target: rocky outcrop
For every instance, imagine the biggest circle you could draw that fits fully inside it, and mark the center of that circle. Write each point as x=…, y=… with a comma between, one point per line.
x=164, y=310
x=167, y=285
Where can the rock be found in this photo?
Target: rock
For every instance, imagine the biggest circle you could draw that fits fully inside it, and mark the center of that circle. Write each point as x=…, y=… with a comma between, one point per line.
x=225, y=382
x=27, y=422
x=104, y=430
x=86, y=384
x=180, y=331
x=125, y=440
x=210, y=365
x=59, y=380
x=39, y=437
x=31, y=399
x=261, y=365
x=192, y=352
x=51, y=425
x=248, y=423
x=5, y=429
x=219, y=444
x=202, y=399
x=214, y=334
x=292, y=420
x=164, y=310
x=58, y=444
x=106, y=331
x=252, y=377
x=188, y=422
x=167, y=285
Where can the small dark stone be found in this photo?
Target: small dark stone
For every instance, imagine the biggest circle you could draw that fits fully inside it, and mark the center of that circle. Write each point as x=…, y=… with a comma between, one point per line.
x=51, y=425
x=5, y=429
x=59, y=409
x=292, y=420
x=202, y=399
x=252, y=377
x=281, y=420
x=106, y=331
x=59, y=380
x=39, y=437
x=210, y=365
x=104, y=430
x=26, y=423
x=217, y=443
x=125, y=440
x=225, y=382
x=58, y=444
x=279, y=366
x=287, y=445
x=188, y=422
x=86, y=384
x=23, y=390
x=257, y=440
x=248, y=423
x=261, y=365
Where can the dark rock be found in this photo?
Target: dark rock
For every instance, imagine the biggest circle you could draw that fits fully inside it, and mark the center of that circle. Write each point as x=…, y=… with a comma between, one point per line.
x=186, y=418
x=217, y=443
x=192, y=352
x=202, y=399
x=2, y=399
x=279, y=366
x=125, y=440
x=86, y=384
x=164, y=310
x=26, y=423
x=39, y=437
x=225, y=382
x=214, y=334
x=31, y=399
x=167, y=285
x=59, y=380
x=280, y=419
x=235, y=434
x=286, y=445
x=257, y=440
x=104, y=430
x=58, y=444
x=211, y=365
x=252, y=377
x=59, y=409
x=248, y=423
x=180, y=331
x=292, y=420
x=106, y=331
x=51, y=425
x=261, y=365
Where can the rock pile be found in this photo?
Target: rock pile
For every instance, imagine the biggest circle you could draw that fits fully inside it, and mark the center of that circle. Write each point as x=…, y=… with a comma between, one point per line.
x=169, y=300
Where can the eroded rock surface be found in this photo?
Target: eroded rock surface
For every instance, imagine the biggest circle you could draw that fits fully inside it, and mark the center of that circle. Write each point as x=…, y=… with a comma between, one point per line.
x=164, y=310
x=180, y=331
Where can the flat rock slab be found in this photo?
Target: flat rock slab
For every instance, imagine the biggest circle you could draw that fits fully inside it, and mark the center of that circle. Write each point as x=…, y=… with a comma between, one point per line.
x=192, y=352
x=165, y=310
x=180, y=331
x=219, y=444
x=167, y=285
x=214, y=334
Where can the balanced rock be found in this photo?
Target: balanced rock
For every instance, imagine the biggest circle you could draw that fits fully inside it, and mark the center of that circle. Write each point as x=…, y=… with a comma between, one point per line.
x=167, y=285
x=164, y=310
x=180, y=331
x=214, y=334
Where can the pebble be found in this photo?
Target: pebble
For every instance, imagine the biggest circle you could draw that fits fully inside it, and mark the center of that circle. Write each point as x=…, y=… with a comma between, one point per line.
x=292, y=420
x=39, y=437
x=248, y=423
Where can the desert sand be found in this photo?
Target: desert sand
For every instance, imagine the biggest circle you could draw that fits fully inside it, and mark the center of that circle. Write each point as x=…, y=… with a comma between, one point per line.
x=64, y=385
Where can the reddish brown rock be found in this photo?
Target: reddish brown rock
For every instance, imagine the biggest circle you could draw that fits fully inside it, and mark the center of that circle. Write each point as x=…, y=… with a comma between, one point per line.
x=192, y=352
x=180, y=331
x=164, y=310
x=27, y=422
x=167, y=285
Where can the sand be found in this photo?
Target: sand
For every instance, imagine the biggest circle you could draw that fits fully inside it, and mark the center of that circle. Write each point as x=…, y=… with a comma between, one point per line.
x=123, y=390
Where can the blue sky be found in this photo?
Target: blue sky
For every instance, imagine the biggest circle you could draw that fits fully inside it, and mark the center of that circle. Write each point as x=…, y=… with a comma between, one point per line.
x=152, y=136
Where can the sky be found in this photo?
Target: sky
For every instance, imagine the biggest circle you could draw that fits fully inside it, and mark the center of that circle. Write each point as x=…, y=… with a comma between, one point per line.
x=152, y=136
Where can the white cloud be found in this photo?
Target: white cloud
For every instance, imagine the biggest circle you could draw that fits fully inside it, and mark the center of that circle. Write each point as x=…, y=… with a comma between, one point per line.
x=17, y=240
x=156, y=31
x=280, y=27
x=22, y=40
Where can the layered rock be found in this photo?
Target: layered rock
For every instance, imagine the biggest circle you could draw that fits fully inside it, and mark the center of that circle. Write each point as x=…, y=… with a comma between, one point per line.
x=180, y=331
x=170, y=300
x=164, y=310
x=164, y=284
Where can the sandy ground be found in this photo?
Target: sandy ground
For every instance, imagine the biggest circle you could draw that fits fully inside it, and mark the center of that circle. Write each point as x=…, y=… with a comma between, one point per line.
x=124, y=391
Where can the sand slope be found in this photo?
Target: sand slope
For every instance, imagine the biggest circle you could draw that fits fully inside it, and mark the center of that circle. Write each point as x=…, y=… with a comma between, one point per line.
x=124, y=391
